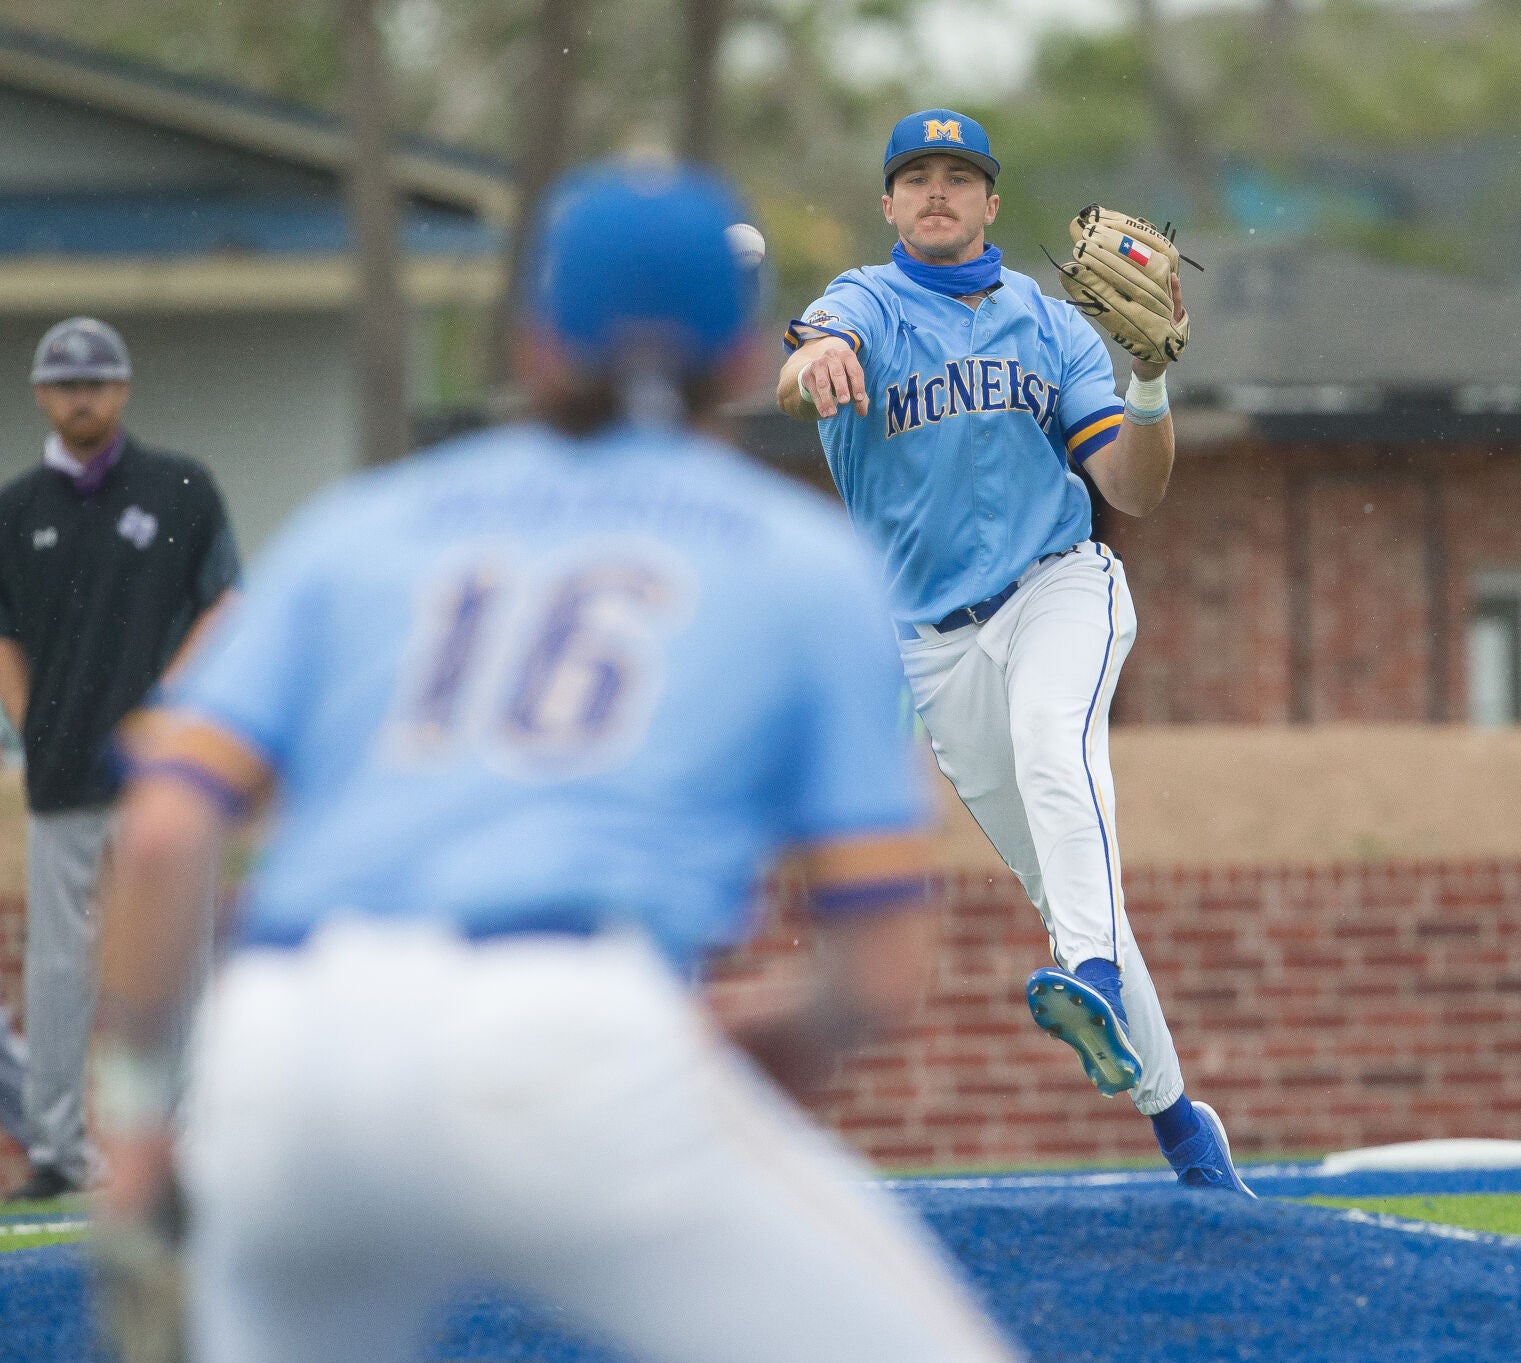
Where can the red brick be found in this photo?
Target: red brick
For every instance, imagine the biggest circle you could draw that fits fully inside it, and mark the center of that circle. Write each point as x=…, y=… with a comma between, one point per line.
x=1309, y=1079
x=1393, y=1078
x=1366, y=931
x=1447, y=928
x=1342, y=1007
x=1472, y=1076
x=1472, y=1017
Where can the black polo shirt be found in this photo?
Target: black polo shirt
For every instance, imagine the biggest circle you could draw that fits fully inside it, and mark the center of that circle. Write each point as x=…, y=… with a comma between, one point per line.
x=100, y=590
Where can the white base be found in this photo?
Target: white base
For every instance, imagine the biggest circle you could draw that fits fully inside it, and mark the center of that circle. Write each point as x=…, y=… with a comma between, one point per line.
x=1444, y=1154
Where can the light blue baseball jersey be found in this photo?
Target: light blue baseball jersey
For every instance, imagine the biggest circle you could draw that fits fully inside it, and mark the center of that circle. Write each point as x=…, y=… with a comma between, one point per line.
x=959, y=473
x=529, y=681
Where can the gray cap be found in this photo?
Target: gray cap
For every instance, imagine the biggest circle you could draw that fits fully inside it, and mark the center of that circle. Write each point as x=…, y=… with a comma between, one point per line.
x=81, y=348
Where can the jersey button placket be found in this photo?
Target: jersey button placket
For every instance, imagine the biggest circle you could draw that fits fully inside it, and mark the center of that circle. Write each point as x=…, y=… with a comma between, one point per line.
x=986, y=483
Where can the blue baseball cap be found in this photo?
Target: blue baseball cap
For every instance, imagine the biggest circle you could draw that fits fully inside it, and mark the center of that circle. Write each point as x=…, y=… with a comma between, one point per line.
x=81, y=348
x=635, y=255
x=937, y=130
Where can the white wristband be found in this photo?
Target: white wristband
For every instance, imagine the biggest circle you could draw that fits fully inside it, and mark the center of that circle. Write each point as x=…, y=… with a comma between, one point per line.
x=803, y=391
x=1146, y=400
x=134, y=1089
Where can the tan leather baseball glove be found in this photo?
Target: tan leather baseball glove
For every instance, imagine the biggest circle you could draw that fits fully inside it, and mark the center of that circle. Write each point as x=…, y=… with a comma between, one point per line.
x=1120, y=275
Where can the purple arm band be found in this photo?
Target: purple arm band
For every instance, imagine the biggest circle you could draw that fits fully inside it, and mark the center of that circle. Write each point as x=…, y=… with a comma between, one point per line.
x=870, y=897
x=794, y=338
x=231, y=804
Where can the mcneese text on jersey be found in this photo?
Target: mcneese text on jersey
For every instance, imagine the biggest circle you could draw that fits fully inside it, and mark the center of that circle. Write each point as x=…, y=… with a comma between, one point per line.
x=977, y=384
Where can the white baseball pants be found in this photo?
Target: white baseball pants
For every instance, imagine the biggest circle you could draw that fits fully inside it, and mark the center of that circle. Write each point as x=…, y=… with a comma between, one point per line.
x=1018, y=712
x=391, y=1112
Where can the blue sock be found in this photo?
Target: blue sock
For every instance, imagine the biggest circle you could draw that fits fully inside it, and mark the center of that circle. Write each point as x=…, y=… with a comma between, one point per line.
x=1176, y=1124
x=1105, y=977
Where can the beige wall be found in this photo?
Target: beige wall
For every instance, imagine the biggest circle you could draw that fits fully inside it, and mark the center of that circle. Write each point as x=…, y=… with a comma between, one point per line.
x=1204, y=796
x=1216, y=795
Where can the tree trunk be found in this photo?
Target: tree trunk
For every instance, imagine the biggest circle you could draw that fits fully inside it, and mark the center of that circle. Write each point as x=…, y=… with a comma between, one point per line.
x=380, y=315
x=1281, y=123
x=546, y=106
x=1183, y=140
x=704, y=25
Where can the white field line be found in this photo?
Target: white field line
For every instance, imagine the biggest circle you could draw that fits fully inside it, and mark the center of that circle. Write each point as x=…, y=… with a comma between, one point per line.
x=1110, y=1179
x=1096, y=1178
x=1427, y=1229
x=42, y=1227
x=1122, y=1178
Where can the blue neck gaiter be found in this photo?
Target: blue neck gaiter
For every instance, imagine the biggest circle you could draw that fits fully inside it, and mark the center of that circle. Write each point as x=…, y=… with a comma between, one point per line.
x=955, y=281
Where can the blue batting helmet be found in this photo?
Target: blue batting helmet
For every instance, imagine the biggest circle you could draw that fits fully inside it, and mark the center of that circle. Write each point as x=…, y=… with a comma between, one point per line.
x=938, y=130
x=635, y=256
x=81, y=348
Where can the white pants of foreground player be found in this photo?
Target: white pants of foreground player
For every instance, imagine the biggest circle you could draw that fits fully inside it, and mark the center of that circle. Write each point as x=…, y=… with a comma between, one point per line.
x=1018, y=712
x=391, y=1112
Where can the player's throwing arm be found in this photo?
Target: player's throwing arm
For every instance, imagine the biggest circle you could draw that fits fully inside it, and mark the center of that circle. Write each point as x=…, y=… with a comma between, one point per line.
x=823, y=376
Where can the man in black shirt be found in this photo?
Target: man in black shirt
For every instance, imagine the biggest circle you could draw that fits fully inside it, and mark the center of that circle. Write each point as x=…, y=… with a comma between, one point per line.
x=112, y=559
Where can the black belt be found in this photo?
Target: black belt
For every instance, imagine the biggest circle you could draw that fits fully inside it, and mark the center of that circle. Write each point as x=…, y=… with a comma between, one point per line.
x=551, y=920
x=980, y=612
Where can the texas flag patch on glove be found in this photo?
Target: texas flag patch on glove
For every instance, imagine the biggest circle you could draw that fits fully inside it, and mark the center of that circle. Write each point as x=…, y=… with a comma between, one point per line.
x=1131, y=251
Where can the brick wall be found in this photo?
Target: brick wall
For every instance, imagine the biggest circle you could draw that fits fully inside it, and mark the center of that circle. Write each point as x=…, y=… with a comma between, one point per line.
x=1315, y=583
x=1318, y=1008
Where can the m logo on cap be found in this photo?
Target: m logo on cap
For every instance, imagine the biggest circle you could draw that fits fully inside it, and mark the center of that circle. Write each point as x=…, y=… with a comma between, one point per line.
x=936, y=131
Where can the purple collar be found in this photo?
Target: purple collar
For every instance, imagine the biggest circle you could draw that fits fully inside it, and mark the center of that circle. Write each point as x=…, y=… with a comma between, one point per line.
x=85, y=478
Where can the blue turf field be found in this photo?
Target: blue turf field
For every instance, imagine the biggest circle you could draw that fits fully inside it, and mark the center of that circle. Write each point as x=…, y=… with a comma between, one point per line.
x=1083, y=1267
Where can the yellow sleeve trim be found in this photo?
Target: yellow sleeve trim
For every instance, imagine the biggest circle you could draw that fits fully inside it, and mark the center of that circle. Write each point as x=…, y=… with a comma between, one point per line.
x=1094, y=428
x=799, y=334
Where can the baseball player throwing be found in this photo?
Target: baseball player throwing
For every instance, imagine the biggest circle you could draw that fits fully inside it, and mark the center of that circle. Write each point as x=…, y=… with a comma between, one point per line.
x=952, y=399
x=535, y=713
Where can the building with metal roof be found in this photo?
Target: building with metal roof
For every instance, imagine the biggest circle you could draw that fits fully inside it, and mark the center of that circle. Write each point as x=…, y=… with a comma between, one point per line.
x=208, y=224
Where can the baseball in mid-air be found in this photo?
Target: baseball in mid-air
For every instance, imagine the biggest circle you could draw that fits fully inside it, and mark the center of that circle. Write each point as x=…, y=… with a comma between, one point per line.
x=748, y=245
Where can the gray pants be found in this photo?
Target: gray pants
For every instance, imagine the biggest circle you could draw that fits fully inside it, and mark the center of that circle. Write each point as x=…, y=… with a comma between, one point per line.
x=64, y=853
x=63, y=856
x=12, y=1077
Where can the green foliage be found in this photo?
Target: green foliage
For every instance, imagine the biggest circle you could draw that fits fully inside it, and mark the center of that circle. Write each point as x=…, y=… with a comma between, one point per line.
x=1355, y=70
x=807, y=246
x=1259, y=87
x=1430, y=247
x=1360, y=73
x=270, y=45
x=1369, y=79
x=1085, y=110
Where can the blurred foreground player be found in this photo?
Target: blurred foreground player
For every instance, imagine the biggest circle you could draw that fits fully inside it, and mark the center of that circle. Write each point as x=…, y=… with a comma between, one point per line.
x=535, y=710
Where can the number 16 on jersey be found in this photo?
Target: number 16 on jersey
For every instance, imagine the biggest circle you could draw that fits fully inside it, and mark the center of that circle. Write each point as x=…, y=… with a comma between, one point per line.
x=547, y=670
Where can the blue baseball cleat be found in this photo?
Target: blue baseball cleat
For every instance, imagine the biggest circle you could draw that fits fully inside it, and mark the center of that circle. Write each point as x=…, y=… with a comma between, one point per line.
x=1204, y=1160
x=1078, y=1014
